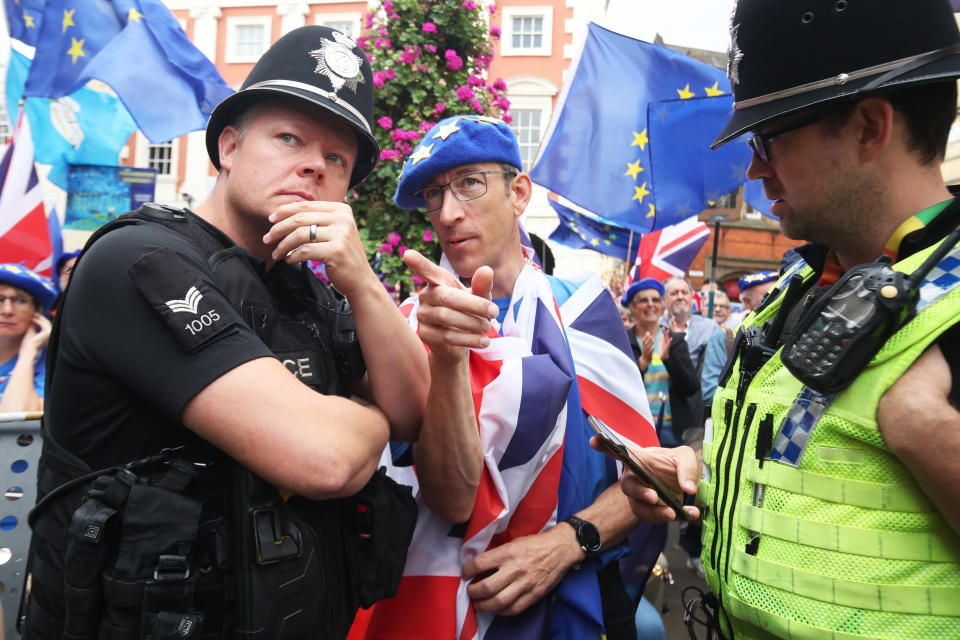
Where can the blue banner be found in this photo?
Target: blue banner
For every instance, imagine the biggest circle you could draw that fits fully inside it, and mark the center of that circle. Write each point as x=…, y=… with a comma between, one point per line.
x=137, y=48
x=598, y=150
x=96, y=195
x=581, y=231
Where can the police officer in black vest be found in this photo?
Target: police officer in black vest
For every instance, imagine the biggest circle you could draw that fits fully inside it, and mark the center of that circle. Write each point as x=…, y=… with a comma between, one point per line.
x=205, y=473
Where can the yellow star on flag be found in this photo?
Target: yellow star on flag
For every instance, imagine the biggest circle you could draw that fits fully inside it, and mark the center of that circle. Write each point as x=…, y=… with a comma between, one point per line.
x=68, y=19
x=134, y=16
x=446, y=130
x=422, y=153
x=640, y=139
x=685, y=93
x=633, y=168
x=76, y=49
x=594, y=242
x=28, y=20
x=652, y=211
x=607, y=242
x=640, y=192
x=714, y=91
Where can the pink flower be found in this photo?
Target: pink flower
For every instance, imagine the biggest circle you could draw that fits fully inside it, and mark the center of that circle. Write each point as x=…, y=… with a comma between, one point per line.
x=389, y=74
x=455, y=62
x=440, y=107
x=495, y=31
x=428, y=236
x=362, y=42
x=465, y=93
x=402, y=249
x=408, y=56
x=382, y=43
x=469, y=5
x=430, y=48
x=450, y=53
x=506, y=117
x=476, y=106
x=426, y=126
x=393, y=238
x=405, y=148
x=475, y=81
x=416, y=280
x=389, y=154
x=493, y=9
x=378, y=79
x=386, y=248
x=503, y=103
x=385, y=122
x=500, y=85
x=394, y=16
x=369, y=57
x=429, y=27
x=388, y=6
x=382, y=31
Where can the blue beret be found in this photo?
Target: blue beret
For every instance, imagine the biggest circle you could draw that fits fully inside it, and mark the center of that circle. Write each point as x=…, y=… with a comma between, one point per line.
x=62, y=260
x=753, y=279
x=640, y=285
x=453, y=142
x=40, y=288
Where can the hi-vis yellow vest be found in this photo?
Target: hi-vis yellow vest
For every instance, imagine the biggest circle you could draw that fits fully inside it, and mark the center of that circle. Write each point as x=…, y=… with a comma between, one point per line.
x=844, y=545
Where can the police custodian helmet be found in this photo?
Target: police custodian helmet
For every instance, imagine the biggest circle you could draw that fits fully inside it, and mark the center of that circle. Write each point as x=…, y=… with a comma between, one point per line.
x=317, y=64
x=787, y=55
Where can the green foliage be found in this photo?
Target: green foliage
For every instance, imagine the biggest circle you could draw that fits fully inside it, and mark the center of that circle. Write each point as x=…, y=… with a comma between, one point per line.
x=430, y=61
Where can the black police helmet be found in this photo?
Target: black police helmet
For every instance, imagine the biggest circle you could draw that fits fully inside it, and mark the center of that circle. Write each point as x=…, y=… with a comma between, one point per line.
x=317, y=64
x=789, y=55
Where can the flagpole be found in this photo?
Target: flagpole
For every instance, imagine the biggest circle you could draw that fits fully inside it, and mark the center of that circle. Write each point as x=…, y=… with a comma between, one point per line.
x=629, y=249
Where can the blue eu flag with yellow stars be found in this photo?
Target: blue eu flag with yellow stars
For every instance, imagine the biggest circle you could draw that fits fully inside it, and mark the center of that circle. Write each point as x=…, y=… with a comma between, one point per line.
x=613, y=123
x=578, y=230
x=23, y=19
x=137, y=48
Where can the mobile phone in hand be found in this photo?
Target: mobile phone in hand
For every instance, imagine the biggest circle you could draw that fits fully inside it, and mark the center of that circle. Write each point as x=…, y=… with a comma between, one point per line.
x=623, y=453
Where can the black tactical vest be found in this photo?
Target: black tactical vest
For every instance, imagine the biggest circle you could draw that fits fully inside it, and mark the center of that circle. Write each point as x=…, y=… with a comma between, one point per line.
x=188, y=544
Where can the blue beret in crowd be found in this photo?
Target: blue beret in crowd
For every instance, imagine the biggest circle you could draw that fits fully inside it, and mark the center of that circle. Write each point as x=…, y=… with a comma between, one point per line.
x=640, y=285
x=753, y=279
x=36, y=285
x=453, y=142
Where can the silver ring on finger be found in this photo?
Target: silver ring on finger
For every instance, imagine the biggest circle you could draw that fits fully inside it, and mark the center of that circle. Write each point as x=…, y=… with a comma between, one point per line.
x=313, y=233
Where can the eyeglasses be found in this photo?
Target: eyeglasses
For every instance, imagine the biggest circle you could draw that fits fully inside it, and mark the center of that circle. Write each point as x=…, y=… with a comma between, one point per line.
x=18, y=302
x=646, y=300
x=467, y=187
x=759, y=141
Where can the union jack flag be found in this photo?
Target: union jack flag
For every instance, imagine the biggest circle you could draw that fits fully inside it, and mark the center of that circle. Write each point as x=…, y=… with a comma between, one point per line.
x=669, y=251
x=24, y=235
x=546, y=365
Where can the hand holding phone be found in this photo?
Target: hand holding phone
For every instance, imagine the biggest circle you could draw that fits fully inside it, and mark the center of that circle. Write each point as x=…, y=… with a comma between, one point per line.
x=620, y=451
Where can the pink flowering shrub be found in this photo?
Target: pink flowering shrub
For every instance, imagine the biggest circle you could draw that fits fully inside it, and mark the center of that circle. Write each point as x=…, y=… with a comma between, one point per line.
x=430, y=61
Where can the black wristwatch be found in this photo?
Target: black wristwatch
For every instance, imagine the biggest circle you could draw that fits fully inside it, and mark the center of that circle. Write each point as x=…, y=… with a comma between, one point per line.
x=588, y=537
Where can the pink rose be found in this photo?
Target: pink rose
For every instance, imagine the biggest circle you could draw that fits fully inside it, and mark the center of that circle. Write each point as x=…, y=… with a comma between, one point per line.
x=426, y=126
x=385, y=122
x=393, y=238
x=378, y=79
x=503, y=103
x=475, y=81
x=389, y=74
x=388, y=6
x=402, y=249
x=389, y=154
x=430, y=48
x=386, y=248
x=465, y=93
x=440, y=107
x=428, y=236
x=506, y=117
x=476, y=106
x=495, y=31
x=416, y=280
x=455, y=63
x=429, y=27
x=500, y=85
x=493, y=9
x=469, y=5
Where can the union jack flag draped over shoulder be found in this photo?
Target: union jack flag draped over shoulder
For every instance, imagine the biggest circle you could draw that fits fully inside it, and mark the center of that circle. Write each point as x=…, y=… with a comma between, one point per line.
x=528, y=386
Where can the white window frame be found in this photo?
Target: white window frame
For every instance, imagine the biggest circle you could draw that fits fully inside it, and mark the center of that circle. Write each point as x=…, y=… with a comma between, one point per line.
x=353, y=18
x=531, y=93
x=230, y=55
x=506, y=36
x=166, y=184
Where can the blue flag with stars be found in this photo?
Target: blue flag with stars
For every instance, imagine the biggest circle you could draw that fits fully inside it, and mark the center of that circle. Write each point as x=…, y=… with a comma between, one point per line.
x=597, y=150
x=23, y=21
x=137, y=48
x=581, y=231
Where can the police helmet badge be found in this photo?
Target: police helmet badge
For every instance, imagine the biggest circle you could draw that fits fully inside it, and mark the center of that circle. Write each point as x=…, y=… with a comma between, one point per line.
x=337, y=61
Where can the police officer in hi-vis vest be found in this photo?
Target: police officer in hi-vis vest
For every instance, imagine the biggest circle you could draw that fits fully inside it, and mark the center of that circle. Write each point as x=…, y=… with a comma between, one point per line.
x=831, y=482
x=205, y=473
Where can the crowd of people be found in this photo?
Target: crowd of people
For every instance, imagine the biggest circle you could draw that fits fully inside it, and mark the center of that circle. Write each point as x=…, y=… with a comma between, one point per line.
x=234, y=448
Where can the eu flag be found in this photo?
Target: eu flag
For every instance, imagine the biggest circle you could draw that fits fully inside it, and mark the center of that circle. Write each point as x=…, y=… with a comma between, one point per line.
x=87, y=127
x=598, y=149
x=23, y=20
x=137, y=48
x=578, y=230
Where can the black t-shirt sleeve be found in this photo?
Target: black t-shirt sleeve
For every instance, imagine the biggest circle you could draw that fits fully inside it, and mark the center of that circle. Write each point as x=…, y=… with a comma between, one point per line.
x=143, y=309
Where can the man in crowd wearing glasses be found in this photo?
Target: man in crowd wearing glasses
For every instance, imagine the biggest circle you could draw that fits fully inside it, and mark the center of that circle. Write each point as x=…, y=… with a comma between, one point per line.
x=520, y=519
x=832, y=488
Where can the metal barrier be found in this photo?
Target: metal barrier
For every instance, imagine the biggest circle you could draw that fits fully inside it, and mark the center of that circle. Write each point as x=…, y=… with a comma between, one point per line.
x=19, y=454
